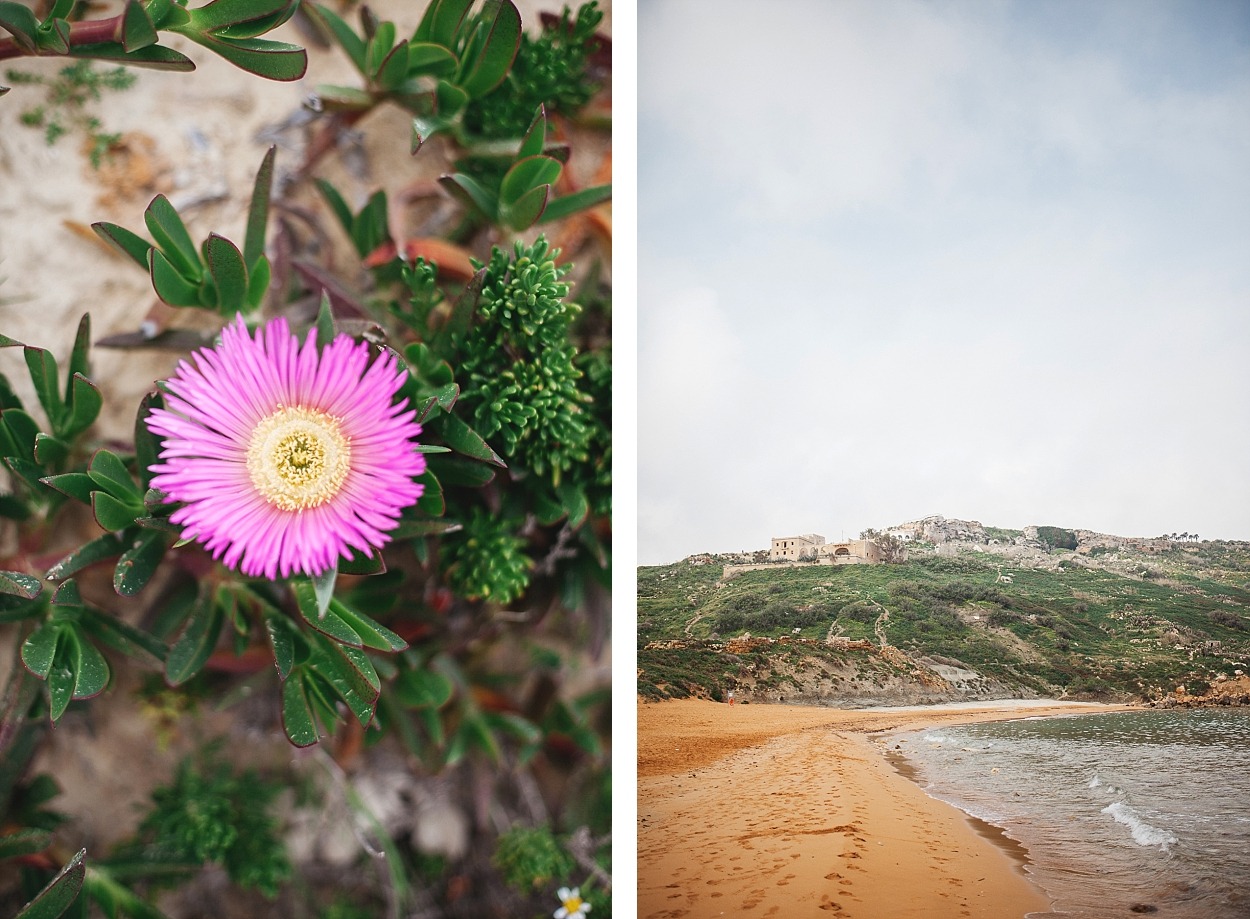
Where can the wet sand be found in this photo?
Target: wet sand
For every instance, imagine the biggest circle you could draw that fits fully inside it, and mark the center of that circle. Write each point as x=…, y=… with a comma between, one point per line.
x=778, y=810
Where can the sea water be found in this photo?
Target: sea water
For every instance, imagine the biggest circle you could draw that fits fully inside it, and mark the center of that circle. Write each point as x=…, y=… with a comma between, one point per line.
x=1124, y=813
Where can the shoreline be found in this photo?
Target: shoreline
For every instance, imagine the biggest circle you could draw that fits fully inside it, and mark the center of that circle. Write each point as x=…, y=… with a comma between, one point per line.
x=756, y=810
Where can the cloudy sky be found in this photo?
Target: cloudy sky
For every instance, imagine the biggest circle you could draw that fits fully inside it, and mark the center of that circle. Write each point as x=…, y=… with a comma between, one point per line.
x=983, y=259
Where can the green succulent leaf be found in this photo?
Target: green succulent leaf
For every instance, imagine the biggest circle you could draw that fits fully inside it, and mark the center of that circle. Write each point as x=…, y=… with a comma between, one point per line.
x=372, y=634
x=21, y=23
x=344, y=34
x=420, y=688
x=229, y=273
x=566, y=205
x=85, y=404
x=525, y=211
x=242, y=18
x=24, y=842
x=50, y=451
x=62, y=890
x=137, y=29
x=283, y=644
x=172, y=237
x=21, y=585
x=463, y=439
x=39, y=650
x=110, y=473
x=471, y=193
x=442, y=22
x=430, y=58
x=91, y=670
x=111, y=514
x=124, y=241
x=297, y=715
x=498, y=50
x=258, y=211
x=46, y=379
x=138, y=563
x=272, y=60
x=527, y=174
x=169, y=285
x=100, y=549
x=153, y=57
x=195, y=645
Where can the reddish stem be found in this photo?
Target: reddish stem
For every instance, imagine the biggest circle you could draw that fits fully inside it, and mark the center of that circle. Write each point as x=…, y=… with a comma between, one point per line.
x=80, y=33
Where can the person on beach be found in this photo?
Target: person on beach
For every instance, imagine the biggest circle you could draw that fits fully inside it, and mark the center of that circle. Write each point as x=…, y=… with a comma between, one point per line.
x=731, y=697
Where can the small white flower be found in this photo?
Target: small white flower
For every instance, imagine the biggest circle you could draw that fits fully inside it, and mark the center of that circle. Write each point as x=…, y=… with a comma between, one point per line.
x=572, y=905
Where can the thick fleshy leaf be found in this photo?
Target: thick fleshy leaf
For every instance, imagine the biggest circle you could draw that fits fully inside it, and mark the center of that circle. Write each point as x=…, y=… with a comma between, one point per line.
x=242, y=16
x=98, y=550
x=329, y=624
x=79, y=356
x=463, y=439
x=91, y=670
x=336, y=202
x=258, y=211
x=381, y=43
x=441, y=21
x=326, y=330
x=535, y=135
x=471, y=193
x=68, y=595
x=132, y=245
x=394, y=68
x=364, y=667
x=431, y=503
x=283, y=644
x=153, y=57
x=62, y=890
x=426, y=126
x=121, y=635
x=172, y=237
x=53, y=36
x=455, y=470
x=344, y=34
x=430, y=58
x=423, y=689
x=20, y=584
x=137, y=565
x=229, y=273
x=60, y=682
x=147, y=444
x=169, y=285
x=50, y=451
x=39, y=650
x=137, y=29
x=559, y=208
x=22, y=431
x=449, y=99
x=494, y=59
x=525, y=212
x=110, y=473
x=85, y=405
x=187, y=655
x=24, y=842
x=297, y=714
x=258, y=278
x=350, y=686
x=21, y=23
x=372, y=634
x=272, y=60
x=111, y=514
x=45, y=377
x=363, y=565
x=527, y=174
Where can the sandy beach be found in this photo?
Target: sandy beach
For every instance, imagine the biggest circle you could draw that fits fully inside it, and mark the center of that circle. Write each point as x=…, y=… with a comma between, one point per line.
x=777, y=810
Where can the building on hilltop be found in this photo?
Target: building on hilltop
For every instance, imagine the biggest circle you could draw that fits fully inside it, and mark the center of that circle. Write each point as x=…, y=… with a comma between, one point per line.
x=793, y=548
x=813, y=548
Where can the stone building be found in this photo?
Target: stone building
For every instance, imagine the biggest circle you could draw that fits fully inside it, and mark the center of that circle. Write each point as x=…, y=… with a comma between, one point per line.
x=813, y=548
x=794, y=548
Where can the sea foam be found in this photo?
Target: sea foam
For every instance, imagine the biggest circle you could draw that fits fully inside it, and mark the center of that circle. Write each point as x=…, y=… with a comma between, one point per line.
x=1143, y=833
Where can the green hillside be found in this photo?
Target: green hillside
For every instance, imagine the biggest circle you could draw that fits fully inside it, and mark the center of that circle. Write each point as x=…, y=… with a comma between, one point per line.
x=1108, y=625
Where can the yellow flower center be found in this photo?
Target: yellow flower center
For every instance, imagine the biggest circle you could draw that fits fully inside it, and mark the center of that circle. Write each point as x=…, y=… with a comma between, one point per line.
x=298, y=458
x=573, y=904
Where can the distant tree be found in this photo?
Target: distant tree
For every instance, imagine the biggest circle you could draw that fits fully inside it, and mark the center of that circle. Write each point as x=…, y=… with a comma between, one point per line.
x=892, y=548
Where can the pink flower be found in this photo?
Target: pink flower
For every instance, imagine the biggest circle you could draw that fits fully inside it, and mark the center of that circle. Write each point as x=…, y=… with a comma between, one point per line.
x=286, y=459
